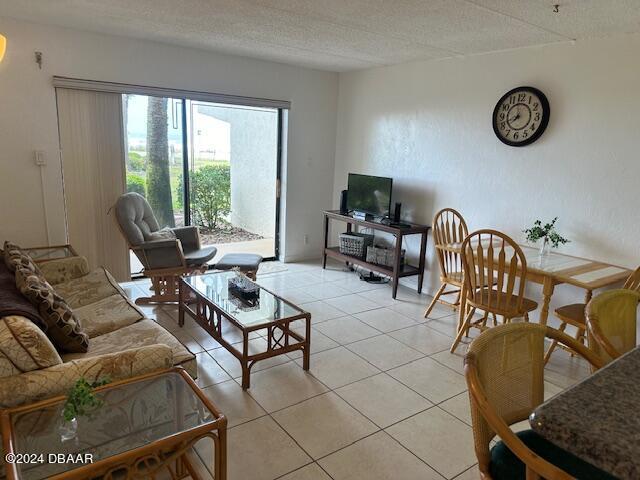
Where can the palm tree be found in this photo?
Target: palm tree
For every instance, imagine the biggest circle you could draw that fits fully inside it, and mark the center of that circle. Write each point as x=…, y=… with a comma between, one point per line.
x=158, y=178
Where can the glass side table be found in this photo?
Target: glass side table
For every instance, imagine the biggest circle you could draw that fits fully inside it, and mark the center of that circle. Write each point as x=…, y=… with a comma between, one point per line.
x=45, y=254
x=145, y=426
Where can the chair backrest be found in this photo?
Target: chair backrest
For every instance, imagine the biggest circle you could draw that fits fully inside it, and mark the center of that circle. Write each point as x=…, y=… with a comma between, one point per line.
x=504, y=369
x=492, y=259
x=135, y=218
x=633, y=282
x=611, y=323
x=448, y=227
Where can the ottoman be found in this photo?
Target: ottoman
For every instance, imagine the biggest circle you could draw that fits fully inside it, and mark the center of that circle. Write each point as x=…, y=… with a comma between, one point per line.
x=248, y=263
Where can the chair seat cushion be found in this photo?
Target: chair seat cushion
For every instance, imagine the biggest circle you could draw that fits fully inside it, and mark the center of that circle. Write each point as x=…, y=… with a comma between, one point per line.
x=246, y=262
x=572, y=314
x=506, y=466
x=201, y=256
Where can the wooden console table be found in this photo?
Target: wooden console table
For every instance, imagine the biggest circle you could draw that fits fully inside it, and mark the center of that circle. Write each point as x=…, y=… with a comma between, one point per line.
x=398, y=231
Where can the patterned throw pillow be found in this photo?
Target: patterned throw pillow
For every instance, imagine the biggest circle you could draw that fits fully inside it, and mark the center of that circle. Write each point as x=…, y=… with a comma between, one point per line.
x=24, y=347
x=15, y=258
x=63, y=326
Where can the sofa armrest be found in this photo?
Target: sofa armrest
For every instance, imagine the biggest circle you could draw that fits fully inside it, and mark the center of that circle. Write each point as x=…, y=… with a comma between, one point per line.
x=189, y=236
x=59, y=379
x=64, y=269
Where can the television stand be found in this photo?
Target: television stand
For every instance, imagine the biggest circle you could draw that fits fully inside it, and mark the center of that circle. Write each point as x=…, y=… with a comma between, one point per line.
x=399, y=231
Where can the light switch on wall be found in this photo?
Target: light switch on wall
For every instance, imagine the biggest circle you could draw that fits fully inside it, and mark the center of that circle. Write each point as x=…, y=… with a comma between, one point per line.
x=38, y=156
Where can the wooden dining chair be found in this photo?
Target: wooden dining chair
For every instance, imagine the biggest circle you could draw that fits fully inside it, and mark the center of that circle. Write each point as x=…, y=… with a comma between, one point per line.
x=504, y=370
x=611, y=323
x=492, y=261
x=448, y=227
x=574, y=314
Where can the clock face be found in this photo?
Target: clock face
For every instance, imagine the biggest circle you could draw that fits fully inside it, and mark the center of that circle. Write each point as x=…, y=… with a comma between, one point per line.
x=521, y=116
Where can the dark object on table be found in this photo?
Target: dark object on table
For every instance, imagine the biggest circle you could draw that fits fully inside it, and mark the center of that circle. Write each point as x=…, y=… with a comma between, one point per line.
x=343, y=202
x=244, y=289
x=396, y=213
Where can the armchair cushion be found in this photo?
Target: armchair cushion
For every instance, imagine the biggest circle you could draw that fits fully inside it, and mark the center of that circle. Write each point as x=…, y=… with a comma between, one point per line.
x=59, y=379
x=64, y=269
x=135, y=218
x=62, y=325
x=200, y=257
x=24, y=347
x=506, y=466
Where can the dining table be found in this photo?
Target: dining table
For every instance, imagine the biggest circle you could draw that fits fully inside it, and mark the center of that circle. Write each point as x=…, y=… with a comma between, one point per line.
x=554, y=268
x=596, y=419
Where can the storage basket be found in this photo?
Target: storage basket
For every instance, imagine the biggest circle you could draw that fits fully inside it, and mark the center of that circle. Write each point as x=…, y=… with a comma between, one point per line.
x=383, y=256
x=355, y=244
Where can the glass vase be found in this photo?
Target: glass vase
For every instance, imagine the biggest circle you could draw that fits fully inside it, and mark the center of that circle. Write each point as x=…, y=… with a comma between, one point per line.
x=68, y=429
x=545, y=248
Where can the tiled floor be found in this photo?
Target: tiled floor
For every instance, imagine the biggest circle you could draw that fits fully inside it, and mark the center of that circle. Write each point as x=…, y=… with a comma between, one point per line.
x=384, y=399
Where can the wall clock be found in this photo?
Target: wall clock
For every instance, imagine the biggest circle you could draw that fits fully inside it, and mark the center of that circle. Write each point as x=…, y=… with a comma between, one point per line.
x=521, y=116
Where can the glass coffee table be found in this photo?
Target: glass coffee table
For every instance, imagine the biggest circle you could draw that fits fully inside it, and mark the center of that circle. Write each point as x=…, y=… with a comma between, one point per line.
x=145, y=425
x=228, y=303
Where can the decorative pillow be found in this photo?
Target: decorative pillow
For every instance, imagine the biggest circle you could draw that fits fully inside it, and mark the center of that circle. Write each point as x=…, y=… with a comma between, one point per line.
x=15, y=258
x=24, y=347
x=163, y=234
x=63, y=326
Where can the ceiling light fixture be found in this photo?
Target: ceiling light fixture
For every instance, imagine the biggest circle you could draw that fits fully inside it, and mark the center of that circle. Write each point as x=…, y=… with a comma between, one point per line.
x=3, y=46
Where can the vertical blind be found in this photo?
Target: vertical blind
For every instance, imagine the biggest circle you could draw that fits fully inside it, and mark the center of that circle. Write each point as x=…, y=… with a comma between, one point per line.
x=92, y=144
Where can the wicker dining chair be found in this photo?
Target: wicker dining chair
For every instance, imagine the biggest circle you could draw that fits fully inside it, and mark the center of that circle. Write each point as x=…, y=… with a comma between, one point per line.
x=492, y=261
x=448, y=227
x=504, y=370
x=574, y=314
x=611, y=323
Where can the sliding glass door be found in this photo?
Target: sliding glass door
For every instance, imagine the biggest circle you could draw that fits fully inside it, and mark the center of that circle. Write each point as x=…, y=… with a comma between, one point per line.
x=206, y=164
x=233, y=160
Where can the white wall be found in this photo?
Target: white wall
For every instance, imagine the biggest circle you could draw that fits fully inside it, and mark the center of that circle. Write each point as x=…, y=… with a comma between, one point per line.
x=428, y=125
x=28, y=119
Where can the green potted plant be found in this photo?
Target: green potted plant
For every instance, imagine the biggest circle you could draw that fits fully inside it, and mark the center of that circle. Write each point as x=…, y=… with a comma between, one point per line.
x=547, y=233
x=80, y=401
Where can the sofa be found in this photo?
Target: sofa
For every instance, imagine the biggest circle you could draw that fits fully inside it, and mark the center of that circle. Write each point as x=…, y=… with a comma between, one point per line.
x=118, y=341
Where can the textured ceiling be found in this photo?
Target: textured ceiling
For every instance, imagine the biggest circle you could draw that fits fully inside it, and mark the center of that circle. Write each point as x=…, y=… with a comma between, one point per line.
x=340, y=35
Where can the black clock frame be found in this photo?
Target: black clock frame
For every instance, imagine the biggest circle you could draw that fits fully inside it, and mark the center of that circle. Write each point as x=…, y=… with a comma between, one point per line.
x=543, y=122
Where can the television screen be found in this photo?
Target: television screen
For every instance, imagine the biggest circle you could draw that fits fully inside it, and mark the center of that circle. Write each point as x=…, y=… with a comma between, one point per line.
x=369, y=194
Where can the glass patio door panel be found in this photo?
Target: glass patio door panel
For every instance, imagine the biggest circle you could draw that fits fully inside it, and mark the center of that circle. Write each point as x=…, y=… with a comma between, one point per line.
x=154, y=157
x=233, y=160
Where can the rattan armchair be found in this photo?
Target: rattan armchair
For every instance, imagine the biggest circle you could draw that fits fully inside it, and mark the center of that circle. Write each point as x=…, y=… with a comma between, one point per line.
x=611, y=323
x=166, y=254
x=504, y=369
x=448, y=227
x=574, y=314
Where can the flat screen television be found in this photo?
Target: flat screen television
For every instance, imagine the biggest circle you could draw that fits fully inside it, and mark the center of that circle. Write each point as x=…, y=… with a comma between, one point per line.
x=369, y=194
